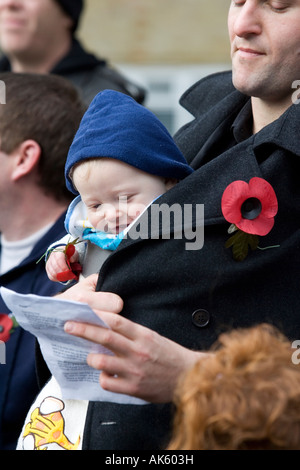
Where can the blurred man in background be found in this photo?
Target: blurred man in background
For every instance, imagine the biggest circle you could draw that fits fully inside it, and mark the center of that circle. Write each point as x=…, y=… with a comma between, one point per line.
x=37, y=125
x=38, y=36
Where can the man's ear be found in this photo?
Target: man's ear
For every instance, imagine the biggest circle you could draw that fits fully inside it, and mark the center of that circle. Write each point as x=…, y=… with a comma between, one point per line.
x=68, y=22
x=27, y=156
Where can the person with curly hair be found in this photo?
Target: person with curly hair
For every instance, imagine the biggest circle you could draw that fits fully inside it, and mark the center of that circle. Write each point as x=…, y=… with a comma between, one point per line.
x=245, y=396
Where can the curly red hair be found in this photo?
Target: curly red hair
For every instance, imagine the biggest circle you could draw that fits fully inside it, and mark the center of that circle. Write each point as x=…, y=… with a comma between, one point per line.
x=245, y=395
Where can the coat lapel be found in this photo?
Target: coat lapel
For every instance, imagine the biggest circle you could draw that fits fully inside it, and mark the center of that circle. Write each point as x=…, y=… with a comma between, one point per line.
x=207, y=184
x=202, y=188
x=281, y=133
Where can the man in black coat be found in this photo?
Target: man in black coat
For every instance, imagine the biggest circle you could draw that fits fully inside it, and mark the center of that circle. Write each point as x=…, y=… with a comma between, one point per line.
x=174, y=301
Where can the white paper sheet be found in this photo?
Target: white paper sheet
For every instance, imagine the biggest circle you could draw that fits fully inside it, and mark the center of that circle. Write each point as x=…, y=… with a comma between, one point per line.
x=65, y=355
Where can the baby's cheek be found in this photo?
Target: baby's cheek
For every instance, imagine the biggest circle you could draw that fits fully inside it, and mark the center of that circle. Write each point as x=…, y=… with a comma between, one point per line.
x=95, y=219
x=135, y=210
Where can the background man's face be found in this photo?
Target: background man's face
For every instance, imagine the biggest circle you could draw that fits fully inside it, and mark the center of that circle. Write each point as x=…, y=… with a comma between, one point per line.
x=28, y=27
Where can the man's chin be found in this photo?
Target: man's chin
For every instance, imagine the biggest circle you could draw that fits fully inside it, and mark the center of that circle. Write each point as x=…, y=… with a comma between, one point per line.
x=242, y=84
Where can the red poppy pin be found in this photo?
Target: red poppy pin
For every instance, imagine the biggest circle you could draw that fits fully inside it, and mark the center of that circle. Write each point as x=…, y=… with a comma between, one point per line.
x=250, y=208
x=74, y=269
x=7, y=326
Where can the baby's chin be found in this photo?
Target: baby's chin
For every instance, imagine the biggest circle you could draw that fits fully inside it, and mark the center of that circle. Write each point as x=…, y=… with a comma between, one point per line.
x=114, y=230
x=119, y=229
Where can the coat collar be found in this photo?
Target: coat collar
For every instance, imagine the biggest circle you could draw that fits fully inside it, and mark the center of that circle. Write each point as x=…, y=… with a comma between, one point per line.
x=203, y=188
x=282, y=132
x=207, y=184
x=214, y=102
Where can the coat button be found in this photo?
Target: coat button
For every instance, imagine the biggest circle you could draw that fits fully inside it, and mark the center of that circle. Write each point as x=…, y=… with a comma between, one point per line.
x=200, y=318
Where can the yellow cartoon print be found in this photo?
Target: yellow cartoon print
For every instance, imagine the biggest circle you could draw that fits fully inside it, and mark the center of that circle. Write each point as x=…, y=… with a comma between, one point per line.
x=47, y=426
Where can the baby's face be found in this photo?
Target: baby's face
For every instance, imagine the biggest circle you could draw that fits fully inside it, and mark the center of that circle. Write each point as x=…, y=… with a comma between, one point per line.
x=115, y=193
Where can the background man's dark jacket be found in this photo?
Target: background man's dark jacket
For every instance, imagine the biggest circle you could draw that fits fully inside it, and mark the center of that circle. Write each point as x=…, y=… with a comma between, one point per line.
x=18, y=380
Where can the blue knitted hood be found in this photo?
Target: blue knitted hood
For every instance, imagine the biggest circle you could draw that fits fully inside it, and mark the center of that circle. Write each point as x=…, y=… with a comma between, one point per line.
x=116, y=126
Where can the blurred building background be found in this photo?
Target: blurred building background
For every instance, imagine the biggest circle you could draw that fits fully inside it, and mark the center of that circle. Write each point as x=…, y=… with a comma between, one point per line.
x=166, y=45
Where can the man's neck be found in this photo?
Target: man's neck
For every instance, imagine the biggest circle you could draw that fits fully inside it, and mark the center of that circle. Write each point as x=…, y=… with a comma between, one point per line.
x=44, y=63
x=30, y=217
x=266, y=112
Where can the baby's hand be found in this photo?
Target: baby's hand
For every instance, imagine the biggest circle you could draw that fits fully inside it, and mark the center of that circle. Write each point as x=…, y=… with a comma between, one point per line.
x=63, y=266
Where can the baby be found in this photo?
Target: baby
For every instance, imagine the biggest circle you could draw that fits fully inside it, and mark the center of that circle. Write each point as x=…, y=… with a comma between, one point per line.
x=121, y=160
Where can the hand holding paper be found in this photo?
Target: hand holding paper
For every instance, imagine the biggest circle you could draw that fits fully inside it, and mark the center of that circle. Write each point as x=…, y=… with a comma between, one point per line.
x=65, y=355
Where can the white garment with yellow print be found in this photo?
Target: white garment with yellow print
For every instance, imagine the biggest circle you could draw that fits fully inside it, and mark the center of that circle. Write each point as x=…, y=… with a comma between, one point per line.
x=53, y=423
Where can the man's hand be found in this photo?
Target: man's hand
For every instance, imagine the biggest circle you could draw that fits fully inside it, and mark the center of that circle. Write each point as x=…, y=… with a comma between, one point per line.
x=145, y=364
x=84, y=292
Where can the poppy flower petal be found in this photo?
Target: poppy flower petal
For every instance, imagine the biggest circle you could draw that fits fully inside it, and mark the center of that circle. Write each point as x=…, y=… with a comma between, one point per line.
x=70, y=250
x=263, y=191
x=6, y=324
x=76, y=268
x=4, y=336
x=65, y=276
x=260, y=226
x=233, y=197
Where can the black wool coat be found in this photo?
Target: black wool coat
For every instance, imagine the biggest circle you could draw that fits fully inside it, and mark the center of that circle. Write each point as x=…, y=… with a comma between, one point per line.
x=191, y=296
